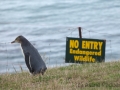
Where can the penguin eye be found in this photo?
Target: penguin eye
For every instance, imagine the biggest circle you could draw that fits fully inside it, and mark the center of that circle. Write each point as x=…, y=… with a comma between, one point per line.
x=17, y=39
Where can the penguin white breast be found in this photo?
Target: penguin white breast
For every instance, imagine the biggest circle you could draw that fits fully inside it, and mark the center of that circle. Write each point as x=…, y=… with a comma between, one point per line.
x=22, y=51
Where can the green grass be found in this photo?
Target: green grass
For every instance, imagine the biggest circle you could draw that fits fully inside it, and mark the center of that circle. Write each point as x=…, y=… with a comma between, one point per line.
x=92, y=76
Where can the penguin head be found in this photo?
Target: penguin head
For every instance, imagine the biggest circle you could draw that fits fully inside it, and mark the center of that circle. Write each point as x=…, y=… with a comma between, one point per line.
x=19, y=39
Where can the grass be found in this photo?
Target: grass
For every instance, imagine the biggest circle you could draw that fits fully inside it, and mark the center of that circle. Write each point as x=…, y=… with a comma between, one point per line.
x=92, y=76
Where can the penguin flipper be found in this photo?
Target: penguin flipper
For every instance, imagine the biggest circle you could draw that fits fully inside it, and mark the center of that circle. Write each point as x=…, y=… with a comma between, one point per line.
x=27, y=61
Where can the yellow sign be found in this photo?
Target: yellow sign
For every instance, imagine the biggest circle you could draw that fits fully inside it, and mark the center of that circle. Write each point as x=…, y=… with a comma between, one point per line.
x=85, y=50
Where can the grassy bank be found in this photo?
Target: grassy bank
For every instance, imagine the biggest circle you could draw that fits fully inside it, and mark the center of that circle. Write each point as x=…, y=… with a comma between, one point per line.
x=97, y=76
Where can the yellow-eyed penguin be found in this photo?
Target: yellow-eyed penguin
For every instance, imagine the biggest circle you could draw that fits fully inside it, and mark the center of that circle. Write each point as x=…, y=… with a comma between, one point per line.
x=33, y=60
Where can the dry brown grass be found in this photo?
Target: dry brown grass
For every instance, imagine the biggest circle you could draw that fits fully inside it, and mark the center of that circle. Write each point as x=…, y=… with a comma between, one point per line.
x=97, y=76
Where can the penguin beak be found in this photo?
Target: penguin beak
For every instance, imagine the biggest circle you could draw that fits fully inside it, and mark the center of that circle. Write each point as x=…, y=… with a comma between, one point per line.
x=13, y=42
